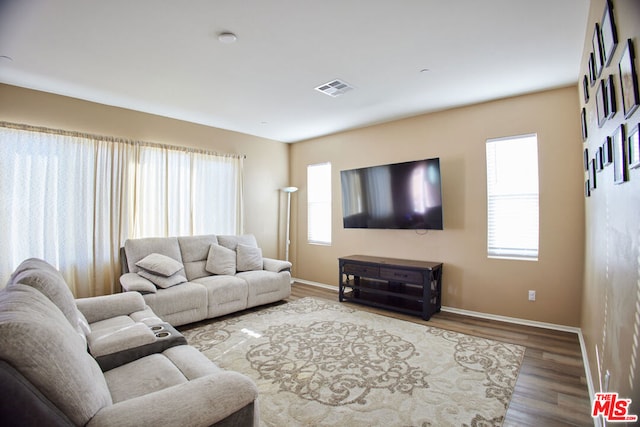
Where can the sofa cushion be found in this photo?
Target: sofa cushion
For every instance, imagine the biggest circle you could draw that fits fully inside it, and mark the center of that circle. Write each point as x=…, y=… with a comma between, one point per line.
x=155, y=372
x=179, y=305
x=249, y=258
x=195, y=250
x=266, y=286
x=58, y=364
x=160, y=264
x=232, y=242
x=45, y=278
x=162, y=281
x=190, y=361
x=221, y=260
x=225, y=294
x=143, y=376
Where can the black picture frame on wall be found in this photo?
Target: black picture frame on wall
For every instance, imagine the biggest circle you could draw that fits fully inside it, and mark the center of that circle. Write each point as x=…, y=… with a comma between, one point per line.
x=585, y=159
x=585, y=89
x=592, y=70
x=592, y=174
x=628, y=80
x=599, y=163
x=607, y=151
x=633, y=148
x=587, y=189
x=609, y=33
x=583, y=122
x=619, y=155
x=596, y=42
x=610, y=96
x=601, y=104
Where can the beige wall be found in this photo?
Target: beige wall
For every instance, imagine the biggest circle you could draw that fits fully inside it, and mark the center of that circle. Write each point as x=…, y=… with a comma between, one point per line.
x=265, y=168
x=471, y=280
x=611, y=303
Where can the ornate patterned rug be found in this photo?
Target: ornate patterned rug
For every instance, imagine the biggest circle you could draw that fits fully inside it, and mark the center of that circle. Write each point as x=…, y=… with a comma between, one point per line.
x=320, y=363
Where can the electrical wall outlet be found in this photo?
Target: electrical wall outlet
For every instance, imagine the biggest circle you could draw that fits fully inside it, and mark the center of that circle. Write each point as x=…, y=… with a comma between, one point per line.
x=532, y=295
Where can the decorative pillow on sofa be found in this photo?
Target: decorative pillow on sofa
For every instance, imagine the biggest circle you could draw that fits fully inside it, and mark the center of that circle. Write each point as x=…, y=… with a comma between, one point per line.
x=135, y=282
x=162, y=281
x=159, y=264
x=221, y=261
x=232, y=241
x=248, y=258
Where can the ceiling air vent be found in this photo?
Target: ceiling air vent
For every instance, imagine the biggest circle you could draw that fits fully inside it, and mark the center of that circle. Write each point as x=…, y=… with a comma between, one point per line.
x=334, y=88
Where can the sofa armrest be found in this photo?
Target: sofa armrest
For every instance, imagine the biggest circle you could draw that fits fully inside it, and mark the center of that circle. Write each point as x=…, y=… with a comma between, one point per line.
x=108, y=306
x=276, y=265
x=203, y=401
x=113, y=340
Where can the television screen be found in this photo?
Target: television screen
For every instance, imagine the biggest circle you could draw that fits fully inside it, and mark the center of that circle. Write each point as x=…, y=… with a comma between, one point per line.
x=401, y=195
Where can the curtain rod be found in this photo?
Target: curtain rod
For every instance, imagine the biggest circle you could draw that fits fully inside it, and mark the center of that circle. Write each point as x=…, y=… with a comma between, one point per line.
x=41, y=129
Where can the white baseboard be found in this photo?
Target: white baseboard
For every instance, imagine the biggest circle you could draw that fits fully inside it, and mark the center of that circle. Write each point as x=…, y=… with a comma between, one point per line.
x=317, y=284
x=597, y=422
x=470, y=313
x=514, y=320
x=507, y=319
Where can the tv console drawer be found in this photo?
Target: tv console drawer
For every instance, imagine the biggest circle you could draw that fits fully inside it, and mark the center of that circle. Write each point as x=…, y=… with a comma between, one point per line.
x=362, y=270
x=408, y=276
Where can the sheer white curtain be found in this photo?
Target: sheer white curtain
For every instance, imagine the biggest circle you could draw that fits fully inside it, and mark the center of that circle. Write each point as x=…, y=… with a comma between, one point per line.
x=74, y=199
x=60, y=198
x=186, y=192
x=216, y=194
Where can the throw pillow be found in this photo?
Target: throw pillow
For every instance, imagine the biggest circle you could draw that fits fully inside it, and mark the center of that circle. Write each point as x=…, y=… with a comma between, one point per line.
x=249, y=258
x=221, y=261
x=162, y=281
x=232, y=241
x=137, y=283
x=160, y=264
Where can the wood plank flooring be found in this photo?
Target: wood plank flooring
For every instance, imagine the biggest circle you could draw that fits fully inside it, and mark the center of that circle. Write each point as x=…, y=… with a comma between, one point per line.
x=551, y=389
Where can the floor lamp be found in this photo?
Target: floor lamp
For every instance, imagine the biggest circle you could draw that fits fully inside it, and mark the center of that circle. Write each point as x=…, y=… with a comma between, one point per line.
x=288, y=190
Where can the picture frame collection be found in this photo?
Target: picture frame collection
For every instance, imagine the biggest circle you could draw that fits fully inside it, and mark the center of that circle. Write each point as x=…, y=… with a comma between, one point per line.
x=622, y=148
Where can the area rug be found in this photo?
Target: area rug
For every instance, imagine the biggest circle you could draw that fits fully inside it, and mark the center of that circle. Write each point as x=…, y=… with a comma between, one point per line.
x=321, y=363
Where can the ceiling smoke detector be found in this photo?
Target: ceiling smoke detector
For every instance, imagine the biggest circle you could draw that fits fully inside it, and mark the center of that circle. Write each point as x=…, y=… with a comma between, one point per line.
x=227, y=37
x=334, y=88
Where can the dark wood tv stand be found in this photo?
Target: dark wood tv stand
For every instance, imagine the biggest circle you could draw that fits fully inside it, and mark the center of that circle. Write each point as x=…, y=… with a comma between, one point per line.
x=406, y=286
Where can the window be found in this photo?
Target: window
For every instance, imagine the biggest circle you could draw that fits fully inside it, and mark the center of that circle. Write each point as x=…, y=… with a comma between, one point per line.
x=73, y=199
x=512, y=197
x=319, y=203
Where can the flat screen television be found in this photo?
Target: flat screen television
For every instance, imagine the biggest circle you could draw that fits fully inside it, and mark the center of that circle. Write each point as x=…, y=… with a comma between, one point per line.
x=404, y=195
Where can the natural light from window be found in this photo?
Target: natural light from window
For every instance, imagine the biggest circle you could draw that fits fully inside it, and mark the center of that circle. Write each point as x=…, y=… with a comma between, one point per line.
x=319, y=203
x=512, y=197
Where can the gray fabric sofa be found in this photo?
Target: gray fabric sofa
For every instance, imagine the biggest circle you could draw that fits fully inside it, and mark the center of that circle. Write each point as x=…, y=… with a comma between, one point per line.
x=215, y=275
x=49, y=377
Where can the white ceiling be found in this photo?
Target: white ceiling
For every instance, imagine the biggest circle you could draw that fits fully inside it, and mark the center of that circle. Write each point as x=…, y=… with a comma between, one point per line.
x=163, y=56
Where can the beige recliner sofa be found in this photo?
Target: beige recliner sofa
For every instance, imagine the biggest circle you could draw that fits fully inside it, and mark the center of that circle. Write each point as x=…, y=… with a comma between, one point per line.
x=191, y=278
x=48, y=375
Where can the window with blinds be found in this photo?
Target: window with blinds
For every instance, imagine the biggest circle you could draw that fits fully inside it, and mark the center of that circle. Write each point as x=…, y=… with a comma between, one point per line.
x=319, y=203
x=512, y=197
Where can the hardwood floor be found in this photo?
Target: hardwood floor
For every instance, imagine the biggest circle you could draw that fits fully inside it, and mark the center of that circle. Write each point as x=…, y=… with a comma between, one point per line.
x=551, y=389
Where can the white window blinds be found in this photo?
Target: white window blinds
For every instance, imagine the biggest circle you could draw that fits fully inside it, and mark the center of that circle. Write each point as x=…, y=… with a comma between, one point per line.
x=319, y=203
x=512, y=197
